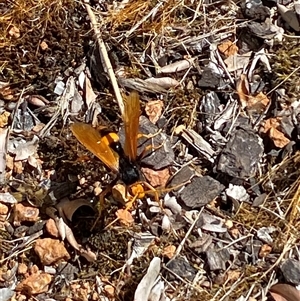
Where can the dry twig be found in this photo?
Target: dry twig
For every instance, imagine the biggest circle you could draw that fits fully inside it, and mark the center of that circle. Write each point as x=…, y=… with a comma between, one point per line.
x=104, y=55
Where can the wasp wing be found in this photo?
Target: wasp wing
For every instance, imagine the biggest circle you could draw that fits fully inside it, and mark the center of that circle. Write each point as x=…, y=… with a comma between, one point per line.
x=90, y=138
x=131, y=123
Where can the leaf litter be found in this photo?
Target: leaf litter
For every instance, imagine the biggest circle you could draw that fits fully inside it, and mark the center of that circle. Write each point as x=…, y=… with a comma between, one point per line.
x=219, y=84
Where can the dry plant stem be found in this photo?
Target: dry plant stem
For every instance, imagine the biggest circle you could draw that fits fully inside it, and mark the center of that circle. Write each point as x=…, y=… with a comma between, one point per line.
x=16, y=109
x=105, y=57
x=15, y=254
x=295, y=204
x=138, y=24
x=178, y=250
x=250, y=291
x=265, y=290
x=283, y=80
x=181, y=279
x=4, y=133
x=233, y=242
x=291, y=37
x=286, y=248
x=232, y=288
x=196, y=12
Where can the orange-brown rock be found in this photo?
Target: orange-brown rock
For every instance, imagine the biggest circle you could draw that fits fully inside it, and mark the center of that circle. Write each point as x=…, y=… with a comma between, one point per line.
x=50, y=250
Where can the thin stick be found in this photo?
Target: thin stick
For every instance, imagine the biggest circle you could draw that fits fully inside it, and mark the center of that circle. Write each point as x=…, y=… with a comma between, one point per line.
x=179, y=248
x=105, y=57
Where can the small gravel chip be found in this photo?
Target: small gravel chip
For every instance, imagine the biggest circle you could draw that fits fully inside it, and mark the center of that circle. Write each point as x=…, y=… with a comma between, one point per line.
x=291, y=271
x=181, y=267
x=200, y=192
x=216, y=260
x=259, y=200
x=59, y=88
x=237, y=193
x=67, y=270
x=182, y=176
x=211, y=223
x=264, y=234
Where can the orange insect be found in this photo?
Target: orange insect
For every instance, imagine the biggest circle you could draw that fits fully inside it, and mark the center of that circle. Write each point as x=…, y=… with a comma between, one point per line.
x=109, y=150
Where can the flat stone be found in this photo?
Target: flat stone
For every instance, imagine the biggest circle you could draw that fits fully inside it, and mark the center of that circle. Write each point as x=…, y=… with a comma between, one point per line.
x=201, y=191
x=241, y=155
x=50, y=250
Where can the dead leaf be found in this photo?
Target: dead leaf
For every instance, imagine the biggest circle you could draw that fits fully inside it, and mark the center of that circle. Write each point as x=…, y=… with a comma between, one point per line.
x=3, y=209
x=270, y=123
x=38, y=100
x=119, y=193
x=284, y=292
x=272, y=128
x=243, y=90
x=141, y=85
x=258, y=102
x=4, y=119
x=88, y=255
x=9, y=162
x=278, y=297
x=237, y=61
x=278, y=138
x=144, y=287
x=169, y=251
x=264, y=250
x=22, y=268
x=228, y=48
x=61, y=227
x=7, y=93
x=233, y=276
x=156, y=178
x=125, y=217
x=110, y=290
x=18, y=167
x=154, y=109
x=235, y=232
x=90, y=96
x=24, y=150
x=66, y=233
x=34, y=162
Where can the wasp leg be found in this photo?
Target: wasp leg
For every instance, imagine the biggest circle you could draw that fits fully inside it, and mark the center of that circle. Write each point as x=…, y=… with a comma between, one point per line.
x=100, y=204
